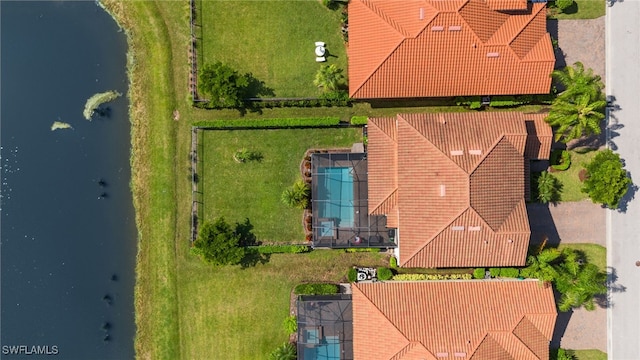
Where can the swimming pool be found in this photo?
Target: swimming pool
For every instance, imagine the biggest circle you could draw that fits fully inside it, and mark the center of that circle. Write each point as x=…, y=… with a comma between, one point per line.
x=327, y=349
x=335, y=194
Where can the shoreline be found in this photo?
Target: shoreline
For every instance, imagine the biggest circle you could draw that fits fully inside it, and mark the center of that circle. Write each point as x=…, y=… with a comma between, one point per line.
x=153, y=182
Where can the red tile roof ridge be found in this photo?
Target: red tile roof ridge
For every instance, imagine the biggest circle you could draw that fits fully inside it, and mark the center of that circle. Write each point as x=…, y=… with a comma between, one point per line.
x=389, y=203
x=374, y=121
x=385, y=17
x=517, y=349
x=532, y=16
x=411, y=349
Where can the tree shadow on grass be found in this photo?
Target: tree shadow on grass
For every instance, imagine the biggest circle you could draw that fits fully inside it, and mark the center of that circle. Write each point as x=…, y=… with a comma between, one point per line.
x=247, y=239
x=256, y=88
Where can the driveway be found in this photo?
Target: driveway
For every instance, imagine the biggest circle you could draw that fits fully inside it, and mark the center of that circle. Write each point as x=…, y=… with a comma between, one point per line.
x=568, y=222
x=580, y=40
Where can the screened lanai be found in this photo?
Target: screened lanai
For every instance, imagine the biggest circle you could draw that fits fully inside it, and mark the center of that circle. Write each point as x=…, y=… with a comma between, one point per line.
x=339, y=203
x=325, y=327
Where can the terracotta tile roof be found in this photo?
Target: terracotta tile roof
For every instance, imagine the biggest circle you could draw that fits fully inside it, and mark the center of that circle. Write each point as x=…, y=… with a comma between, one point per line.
x=540, y=137
x=431, y=48
x=454, y=186
x=485, y=320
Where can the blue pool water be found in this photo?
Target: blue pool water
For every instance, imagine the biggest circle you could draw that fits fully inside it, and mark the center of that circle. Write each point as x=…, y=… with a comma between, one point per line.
x=335, y=194
x=328, y=349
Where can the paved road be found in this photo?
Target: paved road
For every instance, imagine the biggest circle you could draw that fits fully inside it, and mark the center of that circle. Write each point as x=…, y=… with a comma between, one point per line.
x=623, y=230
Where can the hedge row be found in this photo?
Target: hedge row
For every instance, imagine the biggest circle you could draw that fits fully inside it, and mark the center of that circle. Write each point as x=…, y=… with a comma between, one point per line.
x=417, y=277
x=497, y=272
x=270, y=104
x=359, y=120
x=269, y=123
x=316, y=289
x=282, y=249
x=354, y=250
x=475, y=102
x=560, y=160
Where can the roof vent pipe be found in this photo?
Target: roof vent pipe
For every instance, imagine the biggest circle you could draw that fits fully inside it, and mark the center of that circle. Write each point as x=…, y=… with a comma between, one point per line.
x=421, y=13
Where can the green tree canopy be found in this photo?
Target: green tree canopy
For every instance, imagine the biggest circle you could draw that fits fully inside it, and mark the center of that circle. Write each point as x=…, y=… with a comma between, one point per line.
x=298, y=195
x=578, y=81
x=607, y=181
x=578, y=281
x=575, y=119
x=225, y=86
x=329, y=77
x=548, y=188
x=219, y=243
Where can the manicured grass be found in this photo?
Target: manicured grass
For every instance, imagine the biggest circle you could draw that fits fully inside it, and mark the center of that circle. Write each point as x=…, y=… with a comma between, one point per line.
x=252, y=190
x=589, y=355
x=569, y=179
x=273, y=40
x=596, y=254
x=583, y=9
x=231, y=313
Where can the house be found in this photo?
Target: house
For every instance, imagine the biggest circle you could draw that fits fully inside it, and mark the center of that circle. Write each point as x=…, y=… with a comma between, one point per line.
x=436, y=48
x=453, y=320
x=454, y=185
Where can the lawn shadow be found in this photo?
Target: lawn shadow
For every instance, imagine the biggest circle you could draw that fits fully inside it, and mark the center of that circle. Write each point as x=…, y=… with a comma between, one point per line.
x=604, y=301
x=251, y=255
x=542, y=225
x=256, y=88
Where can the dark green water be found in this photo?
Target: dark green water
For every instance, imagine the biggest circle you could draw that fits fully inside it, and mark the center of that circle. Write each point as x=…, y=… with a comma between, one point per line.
x=67, y=256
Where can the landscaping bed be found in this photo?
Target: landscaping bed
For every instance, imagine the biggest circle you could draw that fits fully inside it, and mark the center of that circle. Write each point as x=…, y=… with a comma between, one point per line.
x=570, y=179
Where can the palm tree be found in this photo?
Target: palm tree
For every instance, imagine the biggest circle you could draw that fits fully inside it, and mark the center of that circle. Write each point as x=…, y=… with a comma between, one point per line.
x=541, y=266
x=298, y=195
x=284, y=352
x=579, y=282
x=547, y=188
x=577, y=82
x=578, y=118
x=329, y=77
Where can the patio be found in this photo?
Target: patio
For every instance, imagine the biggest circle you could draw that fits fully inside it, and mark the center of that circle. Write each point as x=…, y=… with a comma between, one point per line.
x=340, y=206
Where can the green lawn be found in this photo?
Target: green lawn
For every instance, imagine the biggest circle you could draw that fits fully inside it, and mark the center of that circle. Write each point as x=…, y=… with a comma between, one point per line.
x=582, y=9
x=596, y=254
x=273, y=40
x=231, y=313
x=569, y=179
x=589, y=355
x=252, y=190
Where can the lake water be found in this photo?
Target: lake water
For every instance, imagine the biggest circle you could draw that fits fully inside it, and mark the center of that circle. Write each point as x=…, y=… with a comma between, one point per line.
x=67, y=255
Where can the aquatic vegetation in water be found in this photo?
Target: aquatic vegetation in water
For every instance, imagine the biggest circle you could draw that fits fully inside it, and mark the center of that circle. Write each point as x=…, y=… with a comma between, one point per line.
x=60, y=125
x=96, y=100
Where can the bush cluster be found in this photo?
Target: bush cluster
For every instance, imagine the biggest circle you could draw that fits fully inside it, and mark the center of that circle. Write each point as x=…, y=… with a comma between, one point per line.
x=352, y=275
x=393, y=262
x=417, y=277
x=359, y=120
x=384, y=273
x=268, y=123
x=504, y=272
x=475, y=102
x=316, y=289
x=354, y=250
x=560, y=160
x=282, y=249
x=290, y=324
x=478, y=273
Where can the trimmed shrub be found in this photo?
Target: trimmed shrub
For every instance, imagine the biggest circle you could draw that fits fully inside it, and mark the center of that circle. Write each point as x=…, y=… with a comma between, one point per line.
x=509, y=272
x=393, y=262
x=316, y=289
x=282, y=249
x=269, y=123
x=384, y=273
x=560, y=160
x=359, y=120
x=478, y=273
x=352, y=275
x=508, y=101
x=354, y=250
x=419, y=277
x=495, y=272
x=562, y=5
x=290, y=324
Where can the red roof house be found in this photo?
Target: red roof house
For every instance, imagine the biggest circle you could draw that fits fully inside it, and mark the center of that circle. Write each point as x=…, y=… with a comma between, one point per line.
x=453, y=185
x=438, y=48
x=453, y=320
